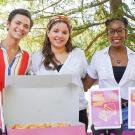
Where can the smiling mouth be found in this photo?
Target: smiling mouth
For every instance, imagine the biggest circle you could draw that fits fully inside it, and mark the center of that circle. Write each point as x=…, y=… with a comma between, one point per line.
x=116, y=41
x=58, y=41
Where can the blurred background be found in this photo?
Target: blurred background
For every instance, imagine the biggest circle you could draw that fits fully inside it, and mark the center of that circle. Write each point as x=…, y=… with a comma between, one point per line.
x=87, y=18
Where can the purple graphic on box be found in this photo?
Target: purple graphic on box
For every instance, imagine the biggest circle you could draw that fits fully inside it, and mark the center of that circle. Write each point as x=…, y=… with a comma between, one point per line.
x=132, y=108
x=105, y=108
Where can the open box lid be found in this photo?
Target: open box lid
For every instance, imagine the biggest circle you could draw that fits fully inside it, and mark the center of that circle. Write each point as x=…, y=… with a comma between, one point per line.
x=39, y=99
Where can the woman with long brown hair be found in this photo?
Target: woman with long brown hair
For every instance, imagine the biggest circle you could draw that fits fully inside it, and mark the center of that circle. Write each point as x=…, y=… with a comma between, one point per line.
x=58, y=56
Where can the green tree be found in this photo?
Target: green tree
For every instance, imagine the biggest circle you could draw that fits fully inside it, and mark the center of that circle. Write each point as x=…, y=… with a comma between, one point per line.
x=87, y=18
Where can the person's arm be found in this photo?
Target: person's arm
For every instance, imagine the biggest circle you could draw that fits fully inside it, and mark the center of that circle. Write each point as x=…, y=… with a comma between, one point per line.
x=88, y=82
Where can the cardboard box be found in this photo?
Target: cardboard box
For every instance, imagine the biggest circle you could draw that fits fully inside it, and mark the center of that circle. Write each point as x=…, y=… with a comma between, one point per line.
x=42, y=99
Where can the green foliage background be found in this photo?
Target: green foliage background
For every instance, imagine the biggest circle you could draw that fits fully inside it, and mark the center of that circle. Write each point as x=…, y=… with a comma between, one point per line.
x=87, y=18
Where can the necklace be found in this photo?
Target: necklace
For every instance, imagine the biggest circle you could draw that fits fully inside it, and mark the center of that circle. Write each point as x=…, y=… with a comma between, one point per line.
x=118, y=61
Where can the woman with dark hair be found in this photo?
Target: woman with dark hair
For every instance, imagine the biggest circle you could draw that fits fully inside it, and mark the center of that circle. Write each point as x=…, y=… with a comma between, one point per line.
x=58, y=56
x=14, y=60
x=114, y=66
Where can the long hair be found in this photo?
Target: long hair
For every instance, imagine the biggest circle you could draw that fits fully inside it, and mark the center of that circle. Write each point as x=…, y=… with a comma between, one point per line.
x=49, y=56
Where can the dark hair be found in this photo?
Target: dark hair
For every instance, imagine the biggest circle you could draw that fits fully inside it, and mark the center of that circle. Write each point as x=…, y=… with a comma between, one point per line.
x=49, y=56
x=123, y=19
x=20, y=11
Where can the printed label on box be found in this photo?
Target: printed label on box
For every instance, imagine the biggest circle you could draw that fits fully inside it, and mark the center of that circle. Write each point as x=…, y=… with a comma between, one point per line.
x=105, y=106
x=131, y=108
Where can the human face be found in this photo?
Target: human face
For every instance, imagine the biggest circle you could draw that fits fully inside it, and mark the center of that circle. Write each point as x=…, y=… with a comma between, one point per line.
x=58, y=35
x=117, y=33
x=19, y=27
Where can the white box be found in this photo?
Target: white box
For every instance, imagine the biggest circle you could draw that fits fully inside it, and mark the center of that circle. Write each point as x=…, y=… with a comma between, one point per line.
x=40, y=99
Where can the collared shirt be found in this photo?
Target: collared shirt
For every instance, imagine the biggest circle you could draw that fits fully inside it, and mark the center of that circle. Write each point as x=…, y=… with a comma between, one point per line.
x=13, y=67
x=101, y=69
x=75, y=64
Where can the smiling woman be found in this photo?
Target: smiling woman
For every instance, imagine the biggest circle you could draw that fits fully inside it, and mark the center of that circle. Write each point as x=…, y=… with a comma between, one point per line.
x=57, y=41
x=58, y=56
x=114, y=66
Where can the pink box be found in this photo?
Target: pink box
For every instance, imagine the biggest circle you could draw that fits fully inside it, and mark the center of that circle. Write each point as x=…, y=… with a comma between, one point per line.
x=123, y=133
x=78, y=129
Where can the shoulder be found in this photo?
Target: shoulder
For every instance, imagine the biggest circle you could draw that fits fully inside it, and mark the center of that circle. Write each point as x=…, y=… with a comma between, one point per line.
x=129, y=51
x=77, y=51
x=100, y=55
x=37, y=55
x=36, y=59
x=102, y=52
x=25, y=53
x=105, y=50
x=78, y=54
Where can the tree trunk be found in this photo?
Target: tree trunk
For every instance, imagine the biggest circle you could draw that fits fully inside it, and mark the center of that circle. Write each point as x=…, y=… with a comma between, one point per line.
x=114, y=7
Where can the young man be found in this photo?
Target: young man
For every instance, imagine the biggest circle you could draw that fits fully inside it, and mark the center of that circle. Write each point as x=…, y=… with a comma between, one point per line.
x=13, y=60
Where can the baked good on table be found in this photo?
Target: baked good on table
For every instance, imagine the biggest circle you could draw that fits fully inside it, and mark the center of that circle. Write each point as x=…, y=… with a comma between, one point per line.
x=43, y=125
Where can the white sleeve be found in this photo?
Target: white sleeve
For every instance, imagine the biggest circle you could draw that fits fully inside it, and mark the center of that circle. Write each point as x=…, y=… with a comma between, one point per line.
x=31, y=66
x=92, y=68
x=84, y=65
x=35, y=63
